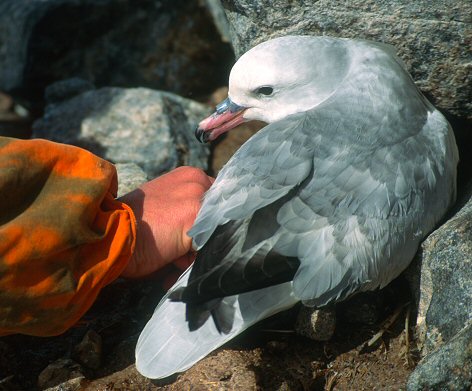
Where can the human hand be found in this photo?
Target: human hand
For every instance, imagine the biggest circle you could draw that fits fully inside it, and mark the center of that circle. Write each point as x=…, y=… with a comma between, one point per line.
x=165, y=209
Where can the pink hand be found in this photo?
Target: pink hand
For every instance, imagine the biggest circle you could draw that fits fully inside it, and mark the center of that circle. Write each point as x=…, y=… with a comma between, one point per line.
x=165, y=209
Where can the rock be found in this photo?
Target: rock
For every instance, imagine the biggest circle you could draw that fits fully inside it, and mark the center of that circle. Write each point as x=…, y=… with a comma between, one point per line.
x=59, y=372
x=432, y=38
x=442, y=281
x=89, y=351
x=448, y=368
x=316, y=324
x=152, y=129
x=76, y=384
x=130, y=177
x=445, y=289
x=168, y=44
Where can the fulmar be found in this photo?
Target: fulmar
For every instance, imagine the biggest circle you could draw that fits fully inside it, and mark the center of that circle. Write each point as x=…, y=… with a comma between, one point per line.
x=332, y=197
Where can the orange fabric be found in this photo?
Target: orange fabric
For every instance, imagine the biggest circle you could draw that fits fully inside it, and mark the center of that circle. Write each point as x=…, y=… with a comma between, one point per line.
x=63, y=235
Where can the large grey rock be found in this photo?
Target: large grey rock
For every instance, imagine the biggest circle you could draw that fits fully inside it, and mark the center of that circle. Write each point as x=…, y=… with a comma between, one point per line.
x=167, y=44
x=444, y=300
x=431, y=36
x=449, y=368
x=445, y=289
x=152, y=129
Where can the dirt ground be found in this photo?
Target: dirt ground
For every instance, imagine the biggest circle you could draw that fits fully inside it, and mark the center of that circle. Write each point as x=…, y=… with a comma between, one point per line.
x=269, y=356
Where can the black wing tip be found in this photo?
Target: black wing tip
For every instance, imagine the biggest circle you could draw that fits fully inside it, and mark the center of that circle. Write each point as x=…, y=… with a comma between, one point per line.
x=196, y=316
x=194, y=324
x=223, y=325
x=221, y=311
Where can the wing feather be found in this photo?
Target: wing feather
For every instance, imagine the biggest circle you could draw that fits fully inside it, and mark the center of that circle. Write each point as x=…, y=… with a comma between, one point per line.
x=252, y=178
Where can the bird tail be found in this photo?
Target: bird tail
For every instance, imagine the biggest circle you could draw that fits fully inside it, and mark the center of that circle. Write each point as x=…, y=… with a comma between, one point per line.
x=167, y=346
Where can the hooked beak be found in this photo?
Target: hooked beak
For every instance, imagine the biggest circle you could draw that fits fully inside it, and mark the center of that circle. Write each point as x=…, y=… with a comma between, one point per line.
x=227, y=116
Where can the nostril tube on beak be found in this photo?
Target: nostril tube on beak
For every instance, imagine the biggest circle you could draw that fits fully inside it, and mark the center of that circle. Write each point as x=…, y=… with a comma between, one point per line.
x=223, y=106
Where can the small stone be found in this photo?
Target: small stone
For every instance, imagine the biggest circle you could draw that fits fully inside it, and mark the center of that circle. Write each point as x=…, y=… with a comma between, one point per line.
x=59, y=372
x=89, y=351
x=316, y=324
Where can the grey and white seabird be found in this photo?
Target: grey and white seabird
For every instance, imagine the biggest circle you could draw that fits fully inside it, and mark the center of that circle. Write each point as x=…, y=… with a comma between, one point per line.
x=332, y=197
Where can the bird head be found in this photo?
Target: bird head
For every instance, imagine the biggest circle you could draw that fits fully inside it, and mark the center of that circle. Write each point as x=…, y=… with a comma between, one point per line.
x=277, y=78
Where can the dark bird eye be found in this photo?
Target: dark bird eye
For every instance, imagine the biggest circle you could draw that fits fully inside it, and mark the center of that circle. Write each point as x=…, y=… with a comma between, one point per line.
x=265, y=90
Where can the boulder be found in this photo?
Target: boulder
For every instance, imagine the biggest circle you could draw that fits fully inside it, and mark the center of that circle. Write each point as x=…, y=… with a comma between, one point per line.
x=448, y=368
x=445, y=289
x=432, y=37
x=444, y=295
x=153, y=129
x=169, y=44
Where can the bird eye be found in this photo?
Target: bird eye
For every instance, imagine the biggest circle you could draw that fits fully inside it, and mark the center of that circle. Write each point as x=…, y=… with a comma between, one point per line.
x=265, y=90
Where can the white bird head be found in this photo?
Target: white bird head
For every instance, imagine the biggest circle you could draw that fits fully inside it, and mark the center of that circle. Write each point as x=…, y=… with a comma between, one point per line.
x=278, y=78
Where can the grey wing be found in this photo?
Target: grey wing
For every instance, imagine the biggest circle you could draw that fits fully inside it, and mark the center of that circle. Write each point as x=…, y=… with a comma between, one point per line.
x=357, y=224
x=263, y=170
x=375, y=186
x=236, y=222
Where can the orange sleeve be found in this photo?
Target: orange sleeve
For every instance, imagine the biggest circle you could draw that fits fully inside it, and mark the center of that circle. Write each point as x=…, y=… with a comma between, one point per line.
x=63, y=235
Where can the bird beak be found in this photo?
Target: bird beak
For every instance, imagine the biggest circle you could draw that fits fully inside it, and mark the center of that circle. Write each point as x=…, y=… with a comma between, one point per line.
x=227, y=116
